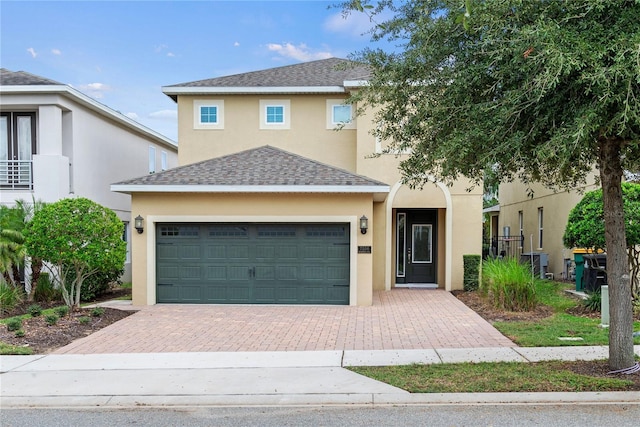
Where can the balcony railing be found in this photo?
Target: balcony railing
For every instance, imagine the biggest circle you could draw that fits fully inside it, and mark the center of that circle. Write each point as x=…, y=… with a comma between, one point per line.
x=16, y=174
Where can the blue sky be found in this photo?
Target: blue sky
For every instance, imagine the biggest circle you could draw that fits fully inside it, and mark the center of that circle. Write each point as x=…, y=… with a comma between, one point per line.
x=122, y=52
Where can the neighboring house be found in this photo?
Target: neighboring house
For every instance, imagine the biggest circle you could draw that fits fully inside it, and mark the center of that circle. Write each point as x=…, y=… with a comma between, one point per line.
x=540, y=218
x=56, y=142
x=268, y=202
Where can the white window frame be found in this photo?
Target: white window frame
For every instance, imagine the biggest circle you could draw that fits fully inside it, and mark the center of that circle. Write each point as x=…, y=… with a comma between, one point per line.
x=540, y=227
x=521, y=226
x=286, y=110
x=218, y=104
x=163, y=160
x=331, y=123
x=152, y=159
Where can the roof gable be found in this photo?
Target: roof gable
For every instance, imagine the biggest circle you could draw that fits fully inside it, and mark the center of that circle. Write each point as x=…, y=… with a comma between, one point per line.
x=263, y=169
x=22, y=78
x=326, y=75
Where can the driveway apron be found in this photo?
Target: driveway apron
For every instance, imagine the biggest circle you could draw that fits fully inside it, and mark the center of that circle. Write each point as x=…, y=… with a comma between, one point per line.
x=401, y=319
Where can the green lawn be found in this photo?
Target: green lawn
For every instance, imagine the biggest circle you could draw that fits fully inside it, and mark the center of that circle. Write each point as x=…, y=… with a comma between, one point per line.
x=490, y=378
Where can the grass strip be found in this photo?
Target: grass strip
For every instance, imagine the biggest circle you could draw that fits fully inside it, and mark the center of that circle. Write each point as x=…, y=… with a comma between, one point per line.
x=7, y=349
x=490, y=378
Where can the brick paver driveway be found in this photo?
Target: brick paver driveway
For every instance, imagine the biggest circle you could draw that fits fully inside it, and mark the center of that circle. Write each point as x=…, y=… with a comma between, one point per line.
x=398, y=320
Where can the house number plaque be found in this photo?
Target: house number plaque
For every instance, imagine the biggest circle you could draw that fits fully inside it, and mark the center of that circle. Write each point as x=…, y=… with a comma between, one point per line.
x=364, y=249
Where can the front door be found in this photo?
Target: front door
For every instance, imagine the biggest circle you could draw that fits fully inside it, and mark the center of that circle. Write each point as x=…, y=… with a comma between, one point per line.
x=416, y=246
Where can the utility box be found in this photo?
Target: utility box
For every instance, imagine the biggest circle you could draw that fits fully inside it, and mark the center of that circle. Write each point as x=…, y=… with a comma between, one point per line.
x=540, y=262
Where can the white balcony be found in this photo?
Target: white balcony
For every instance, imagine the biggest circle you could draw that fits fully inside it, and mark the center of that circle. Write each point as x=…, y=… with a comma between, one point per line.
x=16, y=174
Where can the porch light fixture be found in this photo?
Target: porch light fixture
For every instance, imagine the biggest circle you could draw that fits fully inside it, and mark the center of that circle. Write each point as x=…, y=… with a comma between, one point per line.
x=364, y=224
x=139, y=224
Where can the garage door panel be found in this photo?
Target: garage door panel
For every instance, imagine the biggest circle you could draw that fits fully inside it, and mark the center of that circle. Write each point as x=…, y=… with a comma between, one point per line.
x=216, y=273
x=238, y=252
x=191, y=272
x=190, y=293
x=215, y=252
x=265, y=252
x=253, y=263
x=314, y=252
x=287, y=272
x=238, y=273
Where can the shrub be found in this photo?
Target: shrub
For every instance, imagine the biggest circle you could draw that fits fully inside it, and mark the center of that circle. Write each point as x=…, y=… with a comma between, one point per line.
x=34, y=310
x=10, y=296
x=14, y=324
x=84, y=320
x=46, y=291
x=471, y=272
x=97, y=312
x=96, y=284
x=509, y=284
x=61, y=311
x=19, y=333
x=593, y=301
x=51, y=319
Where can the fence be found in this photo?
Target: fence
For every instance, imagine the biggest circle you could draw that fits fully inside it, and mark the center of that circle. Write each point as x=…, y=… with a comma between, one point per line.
x=16, y=174
x=502, y=246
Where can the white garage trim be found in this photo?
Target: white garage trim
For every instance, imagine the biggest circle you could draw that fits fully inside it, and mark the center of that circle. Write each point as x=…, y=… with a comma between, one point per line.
x=152, y=220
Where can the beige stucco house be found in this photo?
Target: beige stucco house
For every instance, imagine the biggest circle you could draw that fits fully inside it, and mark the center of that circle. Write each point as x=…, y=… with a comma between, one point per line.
x=273, y=204
x=56, y=142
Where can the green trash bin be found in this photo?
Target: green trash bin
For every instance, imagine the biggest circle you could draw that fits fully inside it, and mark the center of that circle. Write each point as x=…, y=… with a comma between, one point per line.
x=578, y=258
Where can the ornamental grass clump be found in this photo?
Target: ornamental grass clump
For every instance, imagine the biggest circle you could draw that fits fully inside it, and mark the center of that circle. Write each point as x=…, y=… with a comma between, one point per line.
x=508, y=284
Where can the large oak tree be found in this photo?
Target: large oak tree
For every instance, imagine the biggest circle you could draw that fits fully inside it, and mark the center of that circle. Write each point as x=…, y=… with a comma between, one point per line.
x=535, y=90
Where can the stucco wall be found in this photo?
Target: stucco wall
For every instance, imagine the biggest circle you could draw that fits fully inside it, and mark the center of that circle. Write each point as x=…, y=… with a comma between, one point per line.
x=189, y=207
x=307, y=136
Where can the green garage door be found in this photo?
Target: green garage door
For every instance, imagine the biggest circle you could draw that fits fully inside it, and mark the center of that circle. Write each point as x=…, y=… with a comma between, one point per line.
x=252, y=263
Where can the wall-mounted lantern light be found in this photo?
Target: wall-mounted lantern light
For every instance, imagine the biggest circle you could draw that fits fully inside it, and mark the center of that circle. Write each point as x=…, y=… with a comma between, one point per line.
x=139, y=224
x=364, y=224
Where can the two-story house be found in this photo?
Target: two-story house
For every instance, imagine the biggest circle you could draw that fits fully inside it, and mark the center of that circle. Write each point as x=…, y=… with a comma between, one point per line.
x=278, y=199
x=56, y=142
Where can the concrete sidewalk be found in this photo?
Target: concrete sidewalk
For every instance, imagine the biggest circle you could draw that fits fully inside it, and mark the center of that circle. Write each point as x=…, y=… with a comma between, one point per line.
x=260, y=378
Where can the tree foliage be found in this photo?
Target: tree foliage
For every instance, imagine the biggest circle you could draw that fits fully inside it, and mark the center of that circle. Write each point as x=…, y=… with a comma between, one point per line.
x=539, y=91
x=79, y=235
x=585, y=226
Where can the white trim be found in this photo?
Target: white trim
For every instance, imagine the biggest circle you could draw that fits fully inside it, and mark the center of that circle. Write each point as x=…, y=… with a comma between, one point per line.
x=355, y=83
x=239, y=90
x=91, y=103
x=448, y=266
x=198, y=104
x=330, y=103
x=152, y=220
x=286, y=114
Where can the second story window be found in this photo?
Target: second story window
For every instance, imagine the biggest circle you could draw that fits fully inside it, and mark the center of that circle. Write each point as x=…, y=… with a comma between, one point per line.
x=152, y=160
x=17, y=146
x=208, y=114
x=275, y=114
x=163, y=160
x=341, y=114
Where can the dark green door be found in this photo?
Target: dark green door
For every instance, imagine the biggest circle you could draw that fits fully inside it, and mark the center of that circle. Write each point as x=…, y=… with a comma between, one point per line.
x=253, y=263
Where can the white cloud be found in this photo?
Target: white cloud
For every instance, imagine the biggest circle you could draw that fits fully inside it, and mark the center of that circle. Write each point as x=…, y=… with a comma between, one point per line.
x=355, y=24
x=300, y=52
x=170, y=54
x=164, y=115
x=95, y=90
x=56, y=51
x=33, y=52
x=132, y=116
x=236, y=44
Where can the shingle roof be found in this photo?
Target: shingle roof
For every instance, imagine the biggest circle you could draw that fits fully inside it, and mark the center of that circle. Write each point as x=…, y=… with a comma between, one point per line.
x=22, y=78
x=324, y=72
x=263, y=166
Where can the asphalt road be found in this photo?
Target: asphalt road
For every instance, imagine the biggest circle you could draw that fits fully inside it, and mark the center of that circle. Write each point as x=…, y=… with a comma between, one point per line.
x=405, y=416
